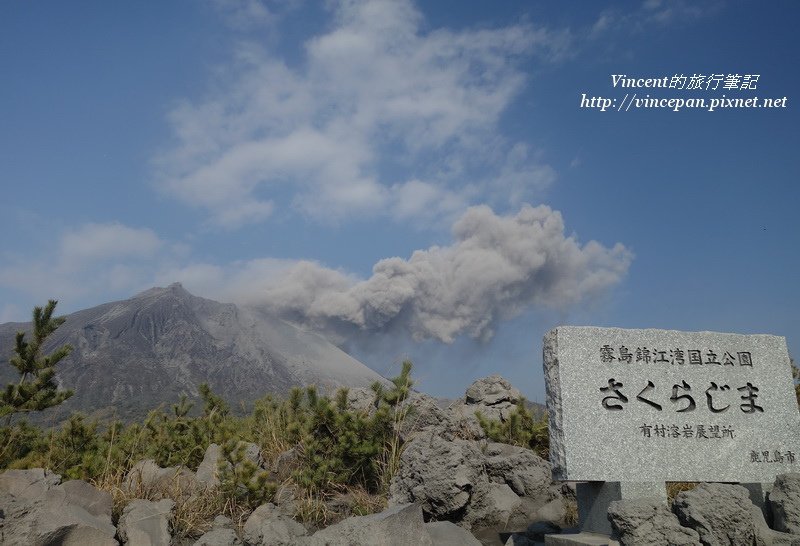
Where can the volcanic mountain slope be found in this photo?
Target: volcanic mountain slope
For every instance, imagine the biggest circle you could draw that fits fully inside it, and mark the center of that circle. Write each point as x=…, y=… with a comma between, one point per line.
x=130, y=356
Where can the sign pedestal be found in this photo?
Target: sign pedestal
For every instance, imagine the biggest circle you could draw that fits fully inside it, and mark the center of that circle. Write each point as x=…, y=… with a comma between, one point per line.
x=594, y=498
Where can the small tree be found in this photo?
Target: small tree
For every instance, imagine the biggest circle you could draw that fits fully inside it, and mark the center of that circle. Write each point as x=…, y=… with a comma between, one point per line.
x=37, y=388
x=521, y=428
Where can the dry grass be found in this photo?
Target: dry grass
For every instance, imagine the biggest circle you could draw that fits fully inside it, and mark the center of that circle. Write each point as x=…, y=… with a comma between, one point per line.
x=270, y=435
x=195, y=514
x=570, y=513
x=195, y=508
x=311, y=508
x=324, y=509
x=389, y=459
x=365, y=503
x=673, y=488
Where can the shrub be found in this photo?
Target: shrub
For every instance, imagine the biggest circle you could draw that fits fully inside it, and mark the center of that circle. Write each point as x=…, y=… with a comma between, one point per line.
x=343, y=447
x=338, y=450
x=36, y=389
x=241, y=480
x=17, y=442
x=520, y=429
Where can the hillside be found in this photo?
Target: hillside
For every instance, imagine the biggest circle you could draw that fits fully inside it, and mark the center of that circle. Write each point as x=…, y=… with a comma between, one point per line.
x=132, y=355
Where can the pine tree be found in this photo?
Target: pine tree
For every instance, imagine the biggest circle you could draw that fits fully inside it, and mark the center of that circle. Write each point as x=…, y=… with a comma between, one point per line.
x=37, y=388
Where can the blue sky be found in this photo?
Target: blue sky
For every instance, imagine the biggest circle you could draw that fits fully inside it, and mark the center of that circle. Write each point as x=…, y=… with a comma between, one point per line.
x=411, y=179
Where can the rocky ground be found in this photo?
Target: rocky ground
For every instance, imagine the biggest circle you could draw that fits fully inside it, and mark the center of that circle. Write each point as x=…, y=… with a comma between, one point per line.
x=453, y=487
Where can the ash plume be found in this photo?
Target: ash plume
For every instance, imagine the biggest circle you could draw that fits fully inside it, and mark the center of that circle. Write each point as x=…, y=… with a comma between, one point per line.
x=496, y=268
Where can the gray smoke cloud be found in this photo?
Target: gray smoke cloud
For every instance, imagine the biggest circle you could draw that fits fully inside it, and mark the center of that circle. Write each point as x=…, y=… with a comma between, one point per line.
x=496, y=268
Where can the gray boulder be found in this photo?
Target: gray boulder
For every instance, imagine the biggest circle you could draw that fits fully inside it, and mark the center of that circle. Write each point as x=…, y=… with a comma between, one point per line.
x=146, y=478
x=146, y=523
x=75, y=513
x=423, y=413
x=222, y=522
x=785, y=502
x=269, y=527
x=221, y=534
x=286, y=499
x=286, y=463
x=524, y=471
x=400, y=525
x=146, y=475
x=67, y=530
x=493, y=396
x=207, y=473
x=462, y=424
x=219, y=537
x=252, y=453
x=43, y=512
x=474, y=484
x=80, y=493
x=648, y=522
x=724, y=514
x=491, y=391
x=493, y=505
x=18, y=519
x=28, y=484
x=446, y=533
x=438, y=474
x=553, y=513
x=361, y=400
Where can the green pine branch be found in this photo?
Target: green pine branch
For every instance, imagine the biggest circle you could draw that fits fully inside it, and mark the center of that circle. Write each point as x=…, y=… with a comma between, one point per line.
x=36, y=389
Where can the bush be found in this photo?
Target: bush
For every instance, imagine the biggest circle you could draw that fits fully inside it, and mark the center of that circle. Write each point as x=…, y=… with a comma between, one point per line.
x=339, y=450
x=520, y=429
x=36, y=389
x=241, y=480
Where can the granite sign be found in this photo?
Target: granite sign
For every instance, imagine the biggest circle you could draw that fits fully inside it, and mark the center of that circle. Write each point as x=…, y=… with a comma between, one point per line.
x=661, y=405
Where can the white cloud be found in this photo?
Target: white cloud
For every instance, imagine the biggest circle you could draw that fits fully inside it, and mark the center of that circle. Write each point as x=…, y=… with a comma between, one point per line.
x=519, y=175
x=93, y=258
x=665, y=13
x=253, y=14
x=430, y=203
x=652, y=13
x=95, y=242
x=376, y=104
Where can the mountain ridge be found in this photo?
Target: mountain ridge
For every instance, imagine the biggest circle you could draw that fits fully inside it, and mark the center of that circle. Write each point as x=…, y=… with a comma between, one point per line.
x=132, y=355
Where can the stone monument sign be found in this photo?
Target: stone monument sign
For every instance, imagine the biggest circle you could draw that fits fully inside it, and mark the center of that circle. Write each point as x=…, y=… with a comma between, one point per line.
x=662, y=405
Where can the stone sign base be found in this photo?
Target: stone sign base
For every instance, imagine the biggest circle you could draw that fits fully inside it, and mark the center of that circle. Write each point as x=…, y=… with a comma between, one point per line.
x=594, y=498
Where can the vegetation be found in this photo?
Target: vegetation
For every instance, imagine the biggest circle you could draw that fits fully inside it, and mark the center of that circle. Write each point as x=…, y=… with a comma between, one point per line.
x=521, y=428
x=36, y=389
x=337, y=452
x=328, y=450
